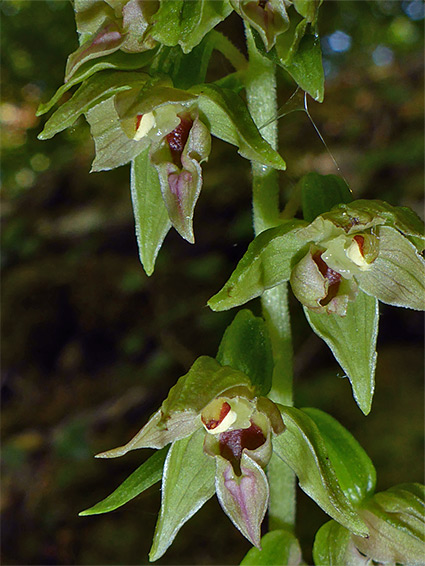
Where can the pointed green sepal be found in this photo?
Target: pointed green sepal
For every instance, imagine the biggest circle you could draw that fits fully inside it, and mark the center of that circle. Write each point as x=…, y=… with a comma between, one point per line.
x=155, y=435
x=267, y=262
x=397, y=276
x=116, y=61
x=150, y=214
x=353, y=467
x=113, y=147
x=188, y=482
x=144, y=477
x=303, y=448
x=352, y=339
x=246, y=347
x=278, y=548
x=93, y=91
x=243, y=497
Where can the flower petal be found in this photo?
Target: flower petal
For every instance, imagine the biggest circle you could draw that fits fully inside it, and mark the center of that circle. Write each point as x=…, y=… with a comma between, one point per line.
x=243, y=498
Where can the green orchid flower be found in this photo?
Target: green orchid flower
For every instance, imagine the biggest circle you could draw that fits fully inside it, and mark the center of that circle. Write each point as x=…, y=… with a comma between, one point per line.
x=396, y=531
x=228, y=432
x=339, y=266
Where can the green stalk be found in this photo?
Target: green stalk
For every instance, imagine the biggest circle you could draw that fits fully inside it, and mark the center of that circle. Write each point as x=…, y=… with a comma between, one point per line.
x=261, y=95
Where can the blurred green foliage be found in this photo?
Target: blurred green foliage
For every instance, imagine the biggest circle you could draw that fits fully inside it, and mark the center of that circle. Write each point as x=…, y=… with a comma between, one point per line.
x=91, y=345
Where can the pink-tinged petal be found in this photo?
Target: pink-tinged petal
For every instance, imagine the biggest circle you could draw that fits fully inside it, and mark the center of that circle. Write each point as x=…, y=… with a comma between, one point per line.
x=244, y=497
x=107, y=40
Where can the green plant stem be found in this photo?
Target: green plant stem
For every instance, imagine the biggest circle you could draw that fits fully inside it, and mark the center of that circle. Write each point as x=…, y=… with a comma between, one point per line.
x=261, y=94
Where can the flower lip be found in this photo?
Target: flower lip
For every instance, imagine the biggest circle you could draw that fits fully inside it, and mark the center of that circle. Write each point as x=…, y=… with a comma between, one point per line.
x=333, y=278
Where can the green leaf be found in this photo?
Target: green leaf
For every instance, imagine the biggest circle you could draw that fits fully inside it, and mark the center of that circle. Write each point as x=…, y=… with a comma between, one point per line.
x=150, y=214
x=246, y=347
x=113, y=147
x=144, y=477
x=90, y=15
x=352, y=339
x=303, y=60
x=396, y=520
x=188, y=482
x=397, y=276
x=353, y=467
x=333, y=546
x=319, y=193
x=243, y=497
x=185, y=23
x=267, y=262
x=229, y=119
x=118, y=61
x=205, y=381
x=191, y=69
x=96, y=89
x=303, y=448
x=308, y=9
x=278, y=548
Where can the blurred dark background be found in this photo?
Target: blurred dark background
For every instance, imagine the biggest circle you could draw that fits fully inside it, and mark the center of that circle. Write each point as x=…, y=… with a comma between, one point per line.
x=90, y=345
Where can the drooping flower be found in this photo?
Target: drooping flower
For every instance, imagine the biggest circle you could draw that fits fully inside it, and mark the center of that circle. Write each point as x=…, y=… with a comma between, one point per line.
x=238, y=427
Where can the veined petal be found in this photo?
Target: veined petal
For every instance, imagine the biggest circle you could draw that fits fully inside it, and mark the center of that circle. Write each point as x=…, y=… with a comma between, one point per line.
x=243, y=498
x=157, y=435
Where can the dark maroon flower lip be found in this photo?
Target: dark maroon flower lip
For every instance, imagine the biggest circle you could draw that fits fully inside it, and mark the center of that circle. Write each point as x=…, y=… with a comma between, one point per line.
x=178, y=137
x=233, y=442
x=333, y=278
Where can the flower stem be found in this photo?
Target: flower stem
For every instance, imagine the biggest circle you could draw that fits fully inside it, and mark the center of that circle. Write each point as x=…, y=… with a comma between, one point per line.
x=261, y=95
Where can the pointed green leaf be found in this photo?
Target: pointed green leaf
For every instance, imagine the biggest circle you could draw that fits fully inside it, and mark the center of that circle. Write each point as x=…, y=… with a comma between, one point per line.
x=243, y=498
x=192, y=68
x=113, y=147
x=156, y=434
x=205, y=380
x=118, y=61
x=96, y=89
x=229, y=119
x=150, y=214
x=303, y=60
x=278, y=548
x=267, y=262
x=188, y=482
x=352, y=339
x=353, y=467
x=320, y=193
x=397, y=276
x=396, y=521
x=185, y=23
x=304, y=449
x=333, y=546
x=246, y=347
x=144, y=477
